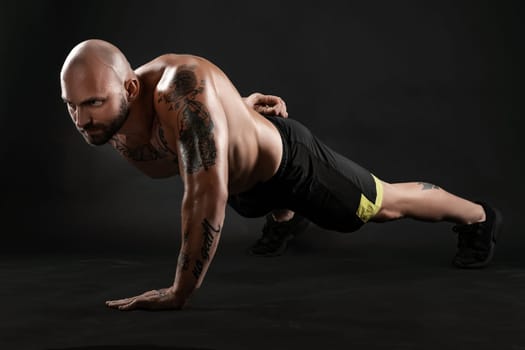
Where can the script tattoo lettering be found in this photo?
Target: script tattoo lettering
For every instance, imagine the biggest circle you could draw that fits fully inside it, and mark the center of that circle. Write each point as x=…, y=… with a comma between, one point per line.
x=184, y=261
x=208, y=232
x=197, y=270
x=197, y=144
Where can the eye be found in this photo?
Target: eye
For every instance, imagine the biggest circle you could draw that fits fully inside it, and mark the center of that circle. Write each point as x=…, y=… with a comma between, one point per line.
x=95, y=103
x=70, y=106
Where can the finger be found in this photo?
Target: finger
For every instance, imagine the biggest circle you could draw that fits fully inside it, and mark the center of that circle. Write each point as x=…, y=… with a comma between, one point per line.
x=263, y=109
x=267, y=100
x=119, y=302
x=279, y=110
x=271, y=110
x=129, y=306
x=116, y=305
x=285, y=112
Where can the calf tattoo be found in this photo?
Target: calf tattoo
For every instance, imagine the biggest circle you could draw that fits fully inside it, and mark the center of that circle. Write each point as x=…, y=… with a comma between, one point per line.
x=428, y=186
x=197, y=144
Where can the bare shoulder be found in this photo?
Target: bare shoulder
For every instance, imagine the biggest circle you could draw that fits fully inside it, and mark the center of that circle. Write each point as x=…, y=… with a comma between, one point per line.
x=184, y=78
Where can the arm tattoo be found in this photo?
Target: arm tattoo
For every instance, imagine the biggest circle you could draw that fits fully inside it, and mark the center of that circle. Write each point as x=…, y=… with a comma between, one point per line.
x=184, y=261
x=164, y=145
x=428, y=186
x=197, y=270
x=208, y=232
x=197, y=144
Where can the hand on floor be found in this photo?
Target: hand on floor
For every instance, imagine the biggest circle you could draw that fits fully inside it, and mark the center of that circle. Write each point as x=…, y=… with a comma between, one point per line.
x=161, y=299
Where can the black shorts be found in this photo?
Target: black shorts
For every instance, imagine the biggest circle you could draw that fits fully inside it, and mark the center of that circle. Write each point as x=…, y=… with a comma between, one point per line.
x=314, y=181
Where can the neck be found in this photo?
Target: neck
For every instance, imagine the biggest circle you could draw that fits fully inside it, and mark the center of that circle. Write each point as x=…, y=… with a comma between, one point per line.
x=137, y=128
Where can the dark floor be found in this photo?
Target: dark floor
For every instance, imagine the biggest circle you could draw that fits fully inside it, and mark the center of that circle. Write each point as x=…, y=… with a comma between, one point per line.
x=363, y=295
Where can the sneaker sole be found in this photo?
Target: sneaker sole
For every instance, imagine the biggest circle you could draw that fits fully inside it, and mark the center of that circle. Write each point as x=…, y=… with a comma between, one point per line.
x=496, y=229
x=280, y=251
x=298, y=229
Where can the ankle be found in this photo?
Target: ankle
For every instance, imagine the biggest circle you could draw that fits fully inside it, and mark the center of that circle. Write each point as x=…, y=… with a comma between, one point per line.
x=483, y=214
x=282, y=216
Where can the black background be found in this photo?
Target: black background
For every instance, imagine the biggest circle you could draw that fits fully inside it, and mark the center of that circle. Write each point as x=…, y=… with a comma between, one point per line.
x=418, y=90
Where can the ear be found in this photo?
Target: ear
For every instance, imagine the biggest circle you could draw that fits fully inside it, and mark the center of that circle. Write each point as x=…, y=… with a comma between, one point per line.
x=132, y=87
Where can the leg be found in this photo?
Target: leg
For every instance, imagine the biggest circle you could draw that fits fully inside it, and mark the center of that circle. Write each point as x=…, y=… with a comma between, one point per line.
x=427, y=202
x=478, y=224
x=281, y=226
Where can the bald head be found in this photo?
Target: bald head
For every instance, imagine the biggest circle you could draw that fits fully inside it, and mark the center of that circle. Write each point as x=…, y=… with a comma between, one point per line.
x=93, y=53
x=98, y=86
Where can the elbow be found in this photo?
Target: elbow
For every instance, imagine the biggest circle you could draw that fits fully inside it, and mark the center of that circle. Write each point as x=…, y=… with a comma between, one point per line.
x=205, y=196
x=217, y=191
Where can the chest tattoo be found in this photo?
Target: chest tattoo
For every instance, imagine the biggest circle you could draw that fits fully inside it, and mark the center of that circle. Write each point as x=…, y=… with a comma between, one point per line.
x=147, y=152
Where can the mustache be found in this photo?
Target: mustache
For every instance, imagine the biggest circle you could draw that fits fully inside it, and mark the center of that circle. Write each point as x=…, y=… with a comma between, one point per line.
x=92, y=127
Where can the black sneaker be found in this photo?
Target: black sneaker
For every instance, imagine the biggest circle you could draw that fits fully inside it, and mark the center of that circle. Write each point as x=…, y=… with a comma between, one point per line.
x=476, y=242
x=277, y=234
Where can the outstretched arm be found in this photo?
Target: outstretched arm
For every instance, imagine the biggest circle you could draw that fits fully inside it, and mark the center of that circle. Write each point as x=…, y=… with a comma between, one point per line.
x=191, y=103
x=204, y=169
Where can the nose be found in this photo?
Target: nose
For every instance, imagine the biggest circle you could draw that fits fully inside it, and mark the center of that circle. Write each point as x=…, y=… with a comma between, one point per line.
x=82, y=118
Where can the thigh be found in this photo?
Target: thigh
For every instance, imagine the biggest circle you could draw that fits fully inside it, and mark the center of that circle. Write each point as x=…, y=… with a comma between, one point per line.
x=330, y=197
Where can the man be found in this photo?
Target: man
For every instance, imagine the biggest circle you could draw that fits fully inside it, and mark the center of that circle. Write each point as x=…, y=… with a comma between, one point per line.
x=181, y=115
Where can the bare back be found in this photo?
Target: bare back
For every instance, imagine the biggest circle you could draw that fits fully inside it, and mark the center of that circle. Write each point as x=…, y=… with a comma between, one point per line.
x=254, y=147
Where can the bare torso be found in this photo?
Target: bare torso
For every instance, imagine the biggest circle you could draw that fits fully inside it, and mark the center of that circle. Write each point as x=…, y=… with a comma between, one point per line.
x=254, y=147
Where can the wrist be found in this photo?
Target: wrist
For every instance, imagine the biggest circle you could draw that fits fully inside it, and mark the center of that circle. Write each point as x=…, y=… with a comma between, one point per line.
x=180, y=296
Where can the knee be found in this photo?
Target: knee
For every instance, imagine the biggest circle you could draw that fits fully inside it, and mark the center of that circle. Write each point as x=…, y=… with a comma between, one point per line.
x=387, y=214
x=391, y=206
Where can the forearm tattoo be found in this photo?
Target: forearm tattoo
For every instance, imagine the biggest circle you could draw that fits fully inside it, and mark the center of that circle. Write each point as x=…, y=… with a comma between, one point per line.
x=184, y=261
x=208, y=232
x=428, y=186
x=197, y=270
x=197, y=144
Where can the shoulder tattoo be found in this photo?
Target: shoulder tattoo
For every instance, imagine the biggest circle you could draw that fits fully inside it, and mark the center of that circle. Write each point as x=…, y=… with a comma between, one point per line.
x=197, y=144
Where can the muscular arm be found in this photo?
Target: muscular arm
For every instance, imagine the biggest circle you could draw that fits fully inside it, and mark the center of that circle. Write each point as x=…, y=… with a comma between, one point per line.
x=191, y=109
x=202, y=147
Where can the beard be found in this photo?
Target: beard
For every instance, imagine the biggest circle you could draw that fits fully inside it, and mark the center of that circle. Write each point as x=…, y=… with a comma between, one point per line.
x=105, y=133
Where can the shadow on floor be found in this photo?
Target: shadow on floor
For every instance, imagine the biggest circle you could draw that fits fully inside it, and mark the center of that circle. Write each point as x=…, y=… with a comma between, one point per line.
x=129, y=347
